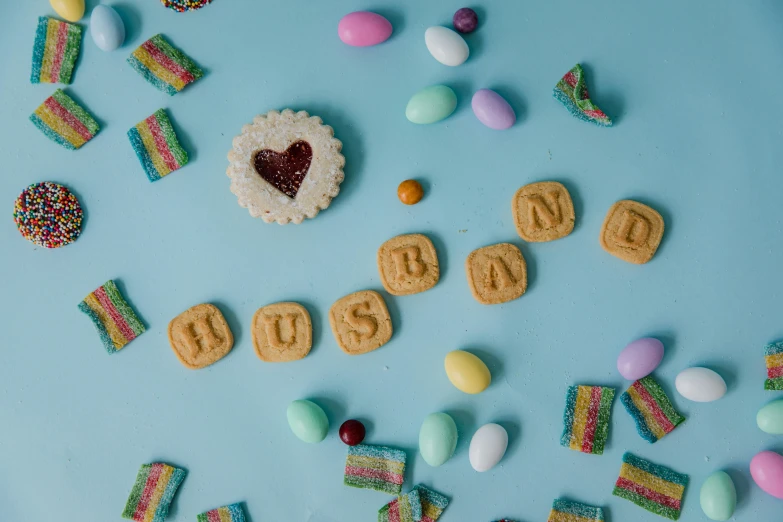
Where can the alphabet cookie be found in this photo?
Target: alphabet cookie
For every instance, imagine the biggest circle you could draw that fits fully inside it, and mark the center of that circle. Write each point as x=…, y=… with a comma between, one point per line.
x=408, y=264
x=496, y=273
x=200, y=336
x=282, y=332
x=360, y=322
x=285, y=166
x=632, y=231
x=543, y=211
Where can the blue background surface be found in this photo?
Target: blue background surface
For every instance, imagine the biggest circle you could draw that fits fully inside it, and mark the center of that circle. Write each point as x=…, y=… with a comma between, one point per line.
x=695, y=94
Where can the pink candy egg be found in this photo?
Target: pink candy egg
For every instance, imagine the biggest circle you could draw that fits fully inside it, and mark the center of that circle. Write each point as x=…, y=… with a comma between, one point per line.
x=766, y=468
x=363, y=29
x=640, y=358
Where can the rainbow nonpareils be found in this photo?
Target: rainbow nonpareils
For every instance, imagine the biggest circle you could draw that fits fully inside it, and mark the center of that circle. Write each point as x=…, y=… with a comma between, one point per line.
x=48, y=215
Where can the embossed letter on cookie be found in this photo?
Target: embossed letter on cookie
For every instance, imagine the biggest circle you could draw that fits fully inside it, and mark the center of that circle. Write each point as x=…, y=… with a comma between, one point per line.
x=543, y=211
x=632, y=231
x=200, y=336
x=408, y=264
x=496, y=273
x=282, y=332
x=360, y=322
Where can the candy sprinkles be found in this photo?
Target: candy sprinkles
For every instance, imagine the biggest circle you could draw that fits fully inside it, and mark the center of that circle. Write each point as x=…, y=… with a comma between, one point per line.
x=48, y=215
x=185, y=5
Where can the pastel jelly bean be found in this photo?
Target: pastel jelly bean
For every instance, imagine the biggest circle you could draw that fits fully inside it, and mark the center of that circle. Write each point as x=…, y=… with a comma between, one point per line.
x=308, y=421
x=487, y=447
x=106, y=28
x=493, y=110
x=718, y=496
x=446, y=46
x=71, y=10
x=431, y=104
x=437, y=438
x=467, y=372
x=766, y=468
x=770, y=418
x=640, y=358
x=363, y=29
x=700, y=385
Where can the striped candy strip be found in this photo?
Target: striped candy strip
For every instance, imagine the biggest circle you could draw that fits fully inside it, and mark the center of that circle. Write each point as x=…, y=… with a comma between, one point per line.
x=375, y=467
x=55, y=51
x=773, y=357
x=153, y=492
x=586, y=418
x=232, y=513
x=655, y=488
x=164, y=66
x=652, y=410
x=405, y=508
x=155, y=143
x=114, y=319
x=569, y=511
x=63, y=121
x=432, y=503
x=571, y=91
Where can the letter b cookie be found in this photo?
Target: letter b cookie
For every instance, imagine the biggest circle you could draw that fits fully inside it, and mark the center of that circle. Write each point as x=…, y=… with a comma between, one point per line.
x=360, y=322
x=632, y=231
x=408, y=264
x=282, y=332
x=496, y=273
x=543, y=211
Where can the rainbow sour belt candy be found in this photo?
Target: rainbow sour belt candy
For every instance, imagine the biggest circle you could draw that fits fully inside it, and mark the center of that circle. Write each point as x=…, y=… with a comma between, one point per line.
x=153, y=492
x=63, y=121
x=569, y=511
x=571, y=91
x=164, y=66
x=773, y=357
x=232, y=513
x=156, y=146
x=406, y=508
x=651, y=409
x=586, y=418
x=375, y=467
x=432, y=503
x=655, y=488
x=114, y=319
x=55, y=51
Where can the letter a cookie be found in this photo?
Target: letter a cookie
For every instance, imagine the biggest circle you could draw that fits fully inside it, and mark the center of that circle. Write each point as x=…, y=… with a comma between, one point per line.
x=408, y=264
x=360, y=322
x=543, y=211
x=632, y=231
x=496, y=273
x=282, y=332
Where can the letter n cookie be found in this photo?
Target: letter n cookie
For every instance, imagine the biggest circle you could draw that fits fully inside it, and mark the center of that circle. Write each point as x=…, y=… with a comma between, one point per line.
x=200, y=336
x=408, y=264
x=360, y=322
x=282, y=332
x=496, y=273
x=632, y=231
x=543, y=211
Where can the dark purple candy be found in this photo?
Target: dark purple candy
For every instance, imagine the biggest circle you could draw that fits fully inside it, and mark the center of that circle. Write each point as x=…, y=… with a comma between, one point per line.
x=352, y=432
x=465, y=20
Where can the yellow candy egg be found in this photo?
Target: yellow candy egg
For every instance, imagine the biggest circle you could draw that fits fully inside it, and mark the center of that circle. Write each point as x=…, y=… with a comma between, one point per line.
x=467, y=372
x=71, y=10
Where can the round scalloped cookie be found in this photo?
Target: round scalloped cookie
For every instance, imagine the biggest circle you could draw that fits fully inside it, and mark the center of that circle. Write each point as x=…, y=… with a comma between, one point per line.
x=285, y=166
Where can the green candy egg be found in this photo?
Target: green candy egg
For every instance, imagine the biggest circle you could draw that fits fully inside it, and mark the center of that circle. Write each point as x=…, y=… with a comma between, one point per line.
x=431, y=104
x=308, y=421
x=718, y=496
x=770, y=418
x=437, y=438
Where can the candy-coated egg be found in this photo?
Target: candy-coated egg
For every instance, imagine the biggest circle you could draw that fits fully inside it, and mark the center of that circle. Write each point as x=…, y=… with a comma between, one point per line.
x=106, y=28
x=446, y=46
x=766, y=468
x=770, y=418
x=718, y=496
x=437, y=438
x=487, y=447
x=700, y=385
x=352, y=432
x=363, y=29
x=308, y=421
x=640, y=358
x=431, y=104
x=467, y=372
x=493, y=110
x=71, y=10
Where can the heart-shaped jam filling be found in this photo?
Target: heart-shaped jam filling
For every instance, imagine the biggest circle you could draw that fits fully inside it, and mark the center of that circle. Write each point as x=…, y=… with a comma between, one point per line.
x=285, y=170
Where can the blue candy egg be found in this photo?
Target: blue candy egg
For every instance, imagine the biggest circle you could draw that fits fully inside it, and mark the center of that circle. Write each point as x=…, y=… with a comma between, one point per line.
x=106, y=28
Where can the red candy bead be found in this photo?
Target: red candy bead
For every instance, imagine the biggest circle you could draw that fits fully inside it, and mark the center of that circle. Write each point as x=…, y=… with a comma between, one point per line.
x=352, y=432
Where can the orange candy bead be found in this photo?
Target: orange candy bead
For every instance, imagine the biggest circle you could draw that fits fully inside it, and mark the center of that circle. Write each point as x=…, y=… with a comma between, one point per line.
x=410, y=192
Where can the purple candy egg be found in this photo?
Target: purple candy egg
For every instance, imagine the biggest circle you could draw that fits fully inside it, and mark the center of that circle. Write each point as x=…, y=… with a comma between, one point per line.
x=465, y=20
x=640, y=358
x=492, y=110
